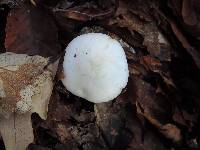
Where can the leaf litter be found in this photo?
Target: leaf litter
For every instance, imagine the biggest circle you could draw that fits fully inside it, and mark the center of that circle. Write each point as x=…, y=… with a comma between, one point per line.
x=159, y=109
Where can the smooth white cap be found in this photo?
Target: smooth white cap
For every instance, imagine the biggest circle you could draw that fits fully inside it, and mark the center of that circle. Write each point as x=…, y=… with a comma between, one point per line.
x=95, y=67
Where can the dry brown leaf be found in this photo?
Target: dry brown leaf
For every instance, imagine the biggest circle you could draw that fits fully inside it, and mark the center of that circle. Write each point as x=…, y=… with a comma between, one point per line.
x=85, y=12
x=156, y=43
x=191, y=50
x=31, y=30
x=155, y=107
x=187, y=12
x=151, y=63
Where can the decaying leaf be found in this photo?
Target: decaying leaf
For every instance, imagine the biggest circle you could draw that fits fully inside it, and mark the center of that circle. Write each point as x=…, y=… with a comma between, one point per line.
x=156, y=108
x=36, y=32
x=22, y=77
x=86, y=11
x=25, y=88
x=187, y=13
x=157, y=45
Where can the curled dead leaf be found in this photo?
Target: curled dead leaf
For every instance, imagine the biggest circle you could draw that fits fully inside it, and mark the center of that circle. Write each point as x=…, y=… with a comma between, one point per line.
x=155, y=108
x=85, y=12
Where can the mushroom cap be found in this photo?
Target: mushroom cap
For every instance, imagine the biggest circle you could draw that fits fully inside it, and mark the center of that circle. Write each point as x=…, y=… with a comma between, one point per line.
x=95, y=67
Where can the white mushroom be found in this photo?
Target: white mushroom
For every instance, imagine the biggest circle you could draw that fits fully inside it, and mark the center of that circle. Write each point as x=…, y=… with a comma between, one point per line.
x=25, y=87
x=95, y=67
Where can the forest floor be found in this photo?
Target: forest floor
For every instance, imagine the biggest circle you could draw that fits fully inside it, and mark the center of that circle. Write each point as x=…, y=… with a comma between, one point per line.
x=160, y=107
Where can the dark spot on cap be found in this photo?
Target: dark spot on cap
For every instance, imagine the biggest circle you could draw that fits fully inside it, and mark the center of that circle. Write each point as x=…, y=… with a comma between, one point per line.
x=74, y=55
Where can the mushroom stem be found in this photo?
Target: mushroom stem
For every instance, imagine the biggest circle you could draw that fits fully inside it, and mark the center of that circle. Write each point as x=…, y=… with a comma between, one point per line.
x=17, y=131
